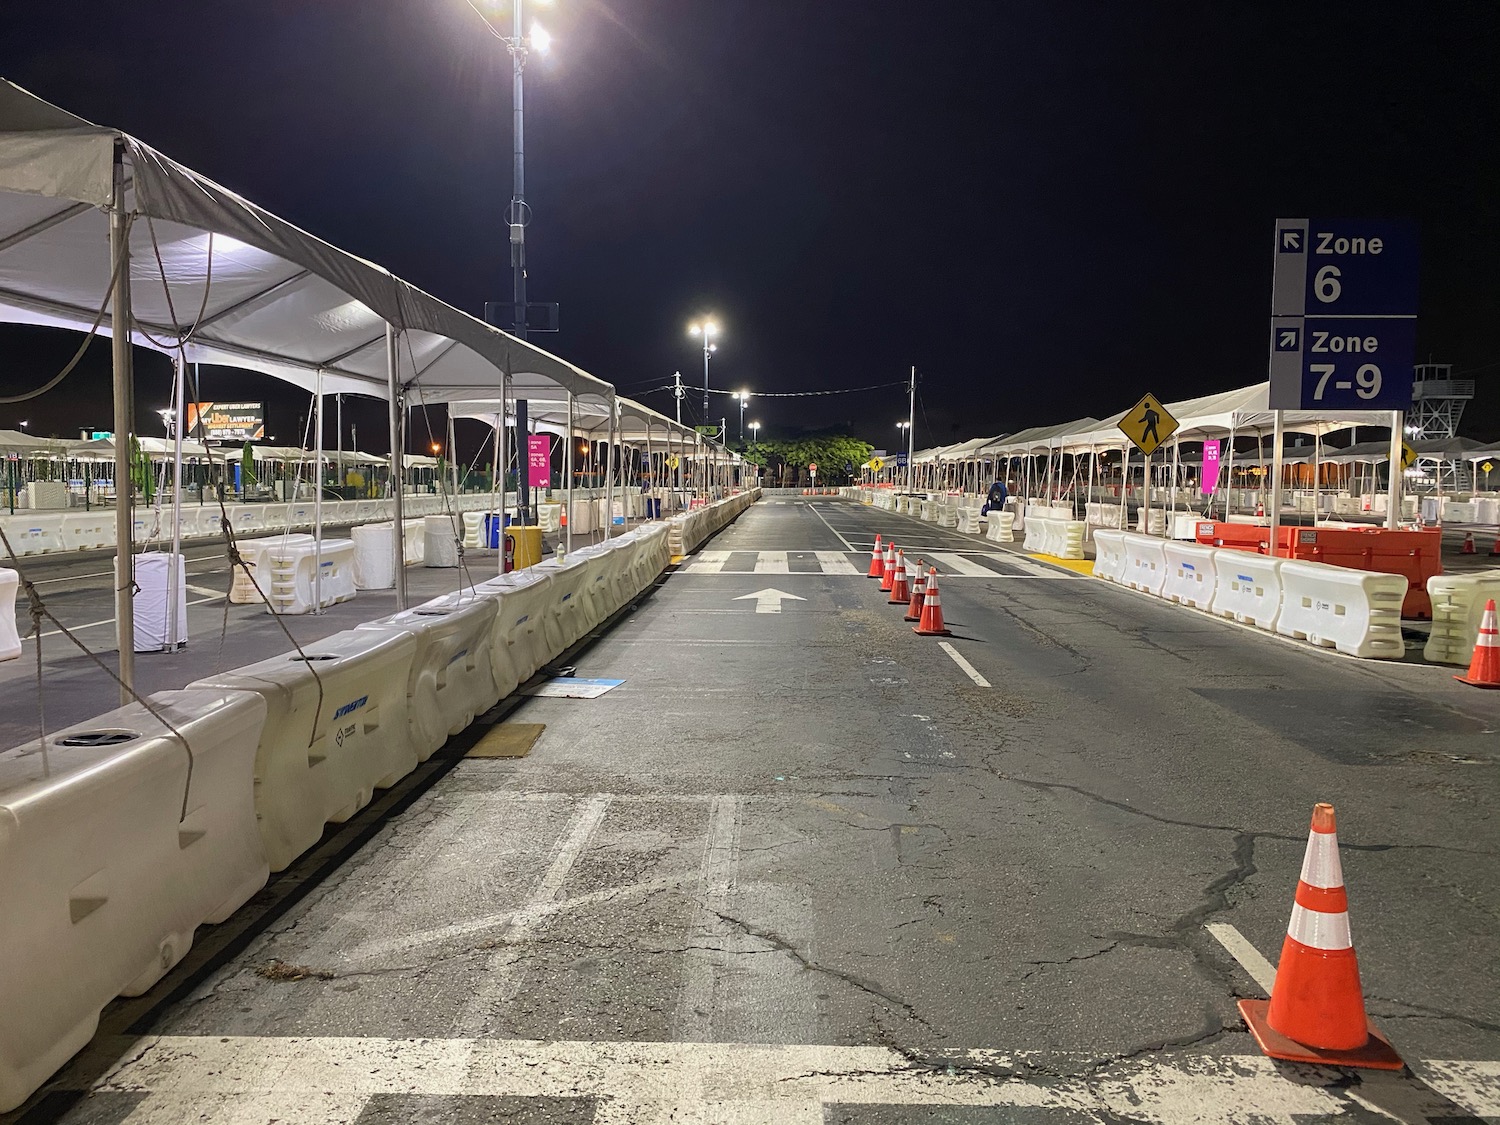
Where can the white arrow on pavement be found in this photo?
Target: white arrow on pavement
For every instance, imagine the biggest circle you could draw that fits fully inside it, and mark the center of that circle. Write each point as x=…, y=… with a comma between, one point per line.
x=769, y=601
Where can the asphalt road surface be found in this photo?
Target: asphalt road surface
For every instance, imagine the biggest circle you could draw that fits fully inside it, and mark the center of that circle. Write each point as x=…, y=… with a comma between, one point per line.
x=804, y=866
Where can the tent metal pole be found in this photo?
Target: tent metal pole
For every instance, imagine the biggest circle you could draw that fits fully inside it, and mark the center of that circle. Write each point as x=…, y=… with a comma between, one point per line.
x=503, y=443
x=1229, y=476
x=568, y=468
x=610, y=464
x=174, y=584
x=452, y=455
x=1393, y=481
x=318, y=491
x=497, y=506
x=398, y=530
x=124, y=408
x=1276, y=465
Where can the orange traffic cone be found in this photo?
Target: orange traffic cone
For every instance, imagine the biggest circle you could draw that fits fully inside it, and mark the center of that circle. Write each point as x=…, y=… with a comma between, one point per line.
x=1316, y=1013
x=877, y=561
x=1484, y=668
x=1468, y=547
x=900, y=588
x=1495, y=547
x=888, y=579
x=931, y=624
x=918, y=595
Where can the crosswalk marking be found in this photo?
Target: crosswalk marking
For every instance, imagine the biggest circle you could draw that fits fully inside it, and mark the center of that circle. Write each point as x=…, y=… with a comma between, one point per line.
x=771, y=562
x=960, y=565
x=849, y=564
x=709, y=562
x=295, y=1078
x=834, y=562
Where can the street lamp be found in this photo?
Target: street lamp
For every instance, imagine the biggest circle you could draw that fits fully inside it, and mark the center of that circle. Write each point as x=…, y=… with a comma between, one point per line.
x=743, y=397
x=23, y=423
x=708, y=330
x=754, y=432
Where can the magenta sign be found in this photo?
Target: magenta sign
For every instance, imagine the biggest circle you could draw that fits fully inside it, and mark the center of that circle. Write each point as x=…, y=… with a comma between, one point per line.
x=538, y=461
x=1210, y=466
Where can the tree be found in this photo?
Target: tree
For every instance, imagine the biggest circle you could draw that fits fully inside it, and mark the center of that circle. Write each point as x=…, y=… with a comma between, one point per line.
x=788, y=461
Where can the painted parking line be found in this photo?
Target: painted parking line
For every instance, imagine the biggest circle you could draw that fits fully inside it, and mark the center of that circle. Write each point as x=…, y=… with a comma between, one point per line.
x=834, y=562
x=969, y=669
x=708, y=562
x=771, y=562
x=111, y=620
x=960, y=565
x=1261, y=971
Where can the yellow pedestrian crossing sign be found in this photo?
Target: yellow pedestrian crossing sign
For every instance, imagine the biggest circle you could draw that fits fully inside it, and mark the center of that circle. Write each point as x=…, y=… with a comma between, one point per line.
x=673, y=461
x=1148, y=424
x=876, y=464
x=1408, y=455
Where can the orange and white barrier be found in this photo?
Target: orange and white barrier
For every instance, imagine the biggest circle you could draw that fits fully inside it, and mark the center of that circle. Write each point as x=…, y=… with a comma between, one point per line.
x=452, y=675
x=320, y=760
x=1189, y=574
x=10, y=636
x=1457, y=609
x=1316, y=1013
x=1247, y=587
x=104, y=882
x=1354, y=611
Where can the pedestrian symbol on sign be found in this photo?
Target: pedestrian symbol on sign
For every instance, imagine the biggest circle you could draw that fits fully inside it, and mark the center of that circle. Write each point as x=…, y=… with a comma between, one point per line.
x=1148, y=424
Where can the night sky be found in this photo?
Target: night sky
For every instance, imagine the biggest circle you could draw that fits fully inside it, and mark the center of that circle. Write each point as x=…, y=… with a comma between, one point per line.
x=1048, y=208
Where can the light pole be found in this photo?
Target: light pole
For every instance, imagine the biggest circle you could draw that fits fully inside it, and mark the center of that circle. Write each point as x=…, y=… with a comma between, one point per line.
x=754, y=433
x=743, y=397
x=708, y=330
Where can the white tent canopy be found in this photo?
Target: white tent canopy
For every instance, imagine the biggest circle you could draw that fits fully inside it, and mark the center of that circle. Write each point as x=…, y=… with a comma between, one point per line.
x=245, y=288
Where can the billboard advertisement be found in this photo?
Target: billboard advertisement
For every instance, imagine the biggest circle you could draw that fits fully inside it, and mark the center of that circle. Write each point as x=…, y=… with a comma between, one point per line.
x=227, y=421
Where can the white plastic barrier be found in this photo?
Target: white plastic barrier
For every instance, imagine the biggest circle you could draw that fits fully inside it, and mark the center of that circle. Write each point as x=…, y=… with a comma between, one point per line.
x=1000, y=526
x=1185, y=525
x=35, y=534
x=452, y=675
x=103, y=882
x=968, y=521
x=1145, y=563
x=1035, y=535
x=549, y=517
x=1247, y=587
x=1355, y=611
x=1457, y=608
x=947, y=516
x=473, y=529
x=567, y=613
x=88, y=531
x=284, y=571
x=1109, y=555
x=583, y=515
x=441, y=542
x=929, y=511
x=1152, y=522
x=253, y=551
x=245, y=518
x=10, y=636
x=1189, y=574
x=519, y=646
x=322, y=761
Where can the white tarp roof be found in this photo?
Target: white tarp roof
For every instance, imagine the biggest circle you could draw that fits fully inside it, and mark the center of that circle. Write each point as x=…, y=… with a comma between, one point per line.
x=589, y=417
x=273, y=298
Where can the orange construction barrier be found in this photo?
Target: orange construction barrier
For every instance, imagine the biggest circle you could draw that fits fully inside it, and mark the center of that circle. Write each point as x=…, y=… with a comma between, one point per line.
x=900, y=588
x=1484, y=668
x=888, y=579
x=931, y=624
x=877, y=561
x=918, y=595
x=1316, y=1013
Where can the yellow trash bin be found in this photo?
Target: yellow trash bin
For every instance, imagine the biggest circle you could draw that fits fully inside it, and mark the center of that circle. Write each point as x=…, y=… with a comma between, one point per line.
x=523, y=547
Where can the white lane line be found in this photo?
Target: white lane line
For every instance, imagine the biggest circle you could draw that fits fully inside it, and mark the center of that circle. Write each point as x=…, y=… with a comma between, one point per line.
x=833, y=562
x=1261, y=971
x=958, y=659
x=708, y=562
x=771, y=562
x=111, y=620
x=296, y=1078
x=960, y=565
x=204, y=591
x=716, y=882
x=847, y=545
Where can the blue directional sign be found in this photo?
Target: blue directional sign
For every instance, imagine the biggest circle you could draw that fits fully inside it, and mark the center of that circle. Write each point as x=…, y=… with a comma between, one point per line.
x=901, y=460
x=1343, y=308
x=1343, y=363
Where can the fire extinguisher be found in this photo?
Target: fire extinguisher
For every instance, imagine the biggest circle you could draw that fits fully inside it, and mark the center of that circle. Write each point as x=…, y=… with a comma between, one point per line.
x=510, y=552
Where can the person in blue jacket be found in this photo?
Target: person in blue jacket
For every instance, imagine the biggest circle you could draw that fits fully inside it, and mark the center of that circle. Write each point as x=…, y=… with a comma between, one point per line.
x=996, y=499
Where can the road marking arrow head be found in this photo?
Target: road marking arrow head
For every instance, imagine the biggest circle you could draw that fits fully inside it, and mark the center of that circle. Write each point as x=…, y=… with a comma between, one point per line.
x=769, y=600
